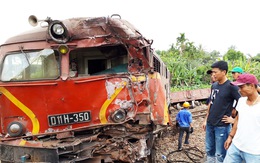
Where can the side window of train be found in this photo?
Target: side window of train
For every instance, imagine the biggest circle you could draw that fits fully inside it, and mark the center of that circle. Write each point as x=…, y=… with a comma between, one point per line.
x=166, y=72
x=31, y=65
x=156, y=65
x=98, y=61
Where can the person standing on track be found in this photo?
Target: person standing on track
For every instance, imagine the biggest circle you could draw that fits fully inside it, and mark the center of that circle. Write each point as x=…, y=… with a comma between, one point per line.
x=184, y=119
x=222, y=97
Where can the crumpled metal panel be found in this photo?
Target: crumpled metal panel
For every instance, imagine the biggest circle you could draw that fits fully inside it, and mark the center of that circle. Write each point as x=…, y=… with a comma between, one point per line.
x=125, y=142
x=104, y=26
x=129, y=147
x=85, y=27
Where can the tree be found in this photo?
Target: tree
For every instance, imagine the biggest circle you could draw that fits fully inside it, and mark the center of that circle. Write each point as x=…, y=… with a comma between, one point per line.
x=188, y=64
x=256, y=58
x=233, y=55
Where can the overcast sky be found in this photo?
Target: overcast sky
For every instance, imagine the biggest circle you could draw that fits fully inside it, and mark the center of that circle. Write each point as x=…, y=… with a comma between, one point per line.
x=214, y=24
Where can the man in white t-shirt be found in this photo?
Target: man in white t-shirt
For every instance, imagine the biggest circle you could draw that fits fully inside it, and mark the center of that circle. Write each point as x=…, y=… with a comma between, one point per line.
x=243, y=142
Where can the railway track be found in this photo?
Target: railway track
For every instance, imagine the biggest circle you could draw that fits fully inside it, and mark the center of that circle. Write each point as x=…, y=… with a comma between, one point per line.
x=199, y=113
x=196, y=113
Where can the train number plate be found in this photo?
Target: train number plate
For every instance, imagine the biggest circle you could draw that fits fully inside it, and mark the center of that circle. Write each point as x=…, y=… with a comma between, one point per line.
x=64, y=119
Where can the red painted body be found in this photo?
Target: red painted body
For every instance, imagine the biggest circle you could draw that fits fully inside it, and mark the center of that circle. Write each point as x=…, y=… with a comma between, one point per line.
x=115, y=68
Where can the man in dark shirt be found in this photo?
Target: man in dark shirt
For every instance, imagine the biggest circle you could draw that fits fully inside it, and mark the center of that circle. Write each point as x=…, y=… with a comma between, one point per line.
x=222, y=97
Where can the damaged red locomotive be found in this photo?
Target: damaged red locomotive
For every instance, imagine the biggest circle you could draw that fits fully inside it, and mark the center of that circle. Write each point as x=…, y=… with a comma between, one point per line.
x=81, y=90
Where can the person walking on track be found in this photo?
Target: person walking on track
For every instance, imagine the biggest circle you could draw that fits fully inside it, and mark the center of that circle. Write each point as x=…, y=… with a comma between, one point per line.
x=184, y=119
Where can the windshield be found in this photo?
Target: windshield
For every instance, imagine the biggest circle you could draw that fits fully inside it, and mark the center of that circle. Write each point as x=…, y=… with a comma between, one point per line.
x=30, y=65
x=98, y=61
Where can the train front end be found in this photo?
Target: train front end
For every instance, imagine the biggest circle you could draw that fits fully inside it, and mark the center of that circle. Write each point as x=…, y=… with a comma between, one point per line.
x=81, y=89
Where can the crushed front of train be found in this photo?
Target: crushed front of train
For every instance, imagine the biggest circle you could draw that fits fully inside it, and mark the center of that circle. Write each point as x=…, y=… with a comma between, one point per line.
x=81, y=89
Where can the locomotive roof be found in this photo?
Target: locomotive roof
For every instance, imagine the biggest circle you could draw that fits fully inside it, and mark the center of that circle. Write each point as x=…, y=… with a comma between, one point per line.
x=84, y=27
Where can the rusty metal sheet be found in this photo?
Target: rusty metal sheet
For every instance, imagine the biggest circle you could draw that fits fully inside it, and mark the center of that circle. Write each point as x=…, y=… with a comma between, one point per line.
x=190, y=95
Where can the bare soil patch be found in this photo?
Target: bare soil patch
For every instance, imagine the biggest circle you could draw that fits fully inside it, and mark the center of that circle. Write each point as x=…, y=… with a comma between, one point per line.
x=167, y=143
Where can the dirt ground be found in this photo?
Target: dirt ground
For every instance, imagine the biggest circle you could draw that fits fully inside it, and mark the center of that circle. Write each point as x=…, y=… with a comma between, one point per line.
x=167, y=144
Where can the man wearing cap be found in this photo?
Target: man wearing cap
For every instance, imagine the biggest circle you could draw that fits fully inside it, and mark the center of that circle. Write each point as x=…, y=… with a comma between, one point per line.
x=236, y=71
x=243, y=142
x=222, y=97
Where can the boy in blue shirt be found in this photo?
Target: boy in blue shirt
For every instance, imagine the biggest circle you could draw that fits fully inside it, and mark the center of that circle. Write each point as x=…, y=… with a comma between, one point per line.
x=184, y=119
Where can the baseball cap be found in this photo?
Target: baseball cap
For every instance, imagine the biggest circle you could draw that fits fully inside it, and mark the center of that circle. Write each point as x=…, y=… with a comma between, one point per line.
x=209, y=71
x=237, y=69
x=222, y=65
x=245, y=79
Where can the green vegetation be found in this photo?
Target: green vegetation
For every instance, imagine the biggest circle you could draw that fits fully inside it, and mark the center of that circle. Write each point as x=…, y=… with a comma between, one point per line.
x=188, y=64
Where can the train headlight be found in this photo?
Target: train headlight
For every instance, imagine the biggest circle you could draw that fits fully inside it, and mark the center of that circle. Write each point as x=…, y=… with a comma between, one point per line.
x=58, y=32
x=58, y=29
x=119, y=116
x=15, y=129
